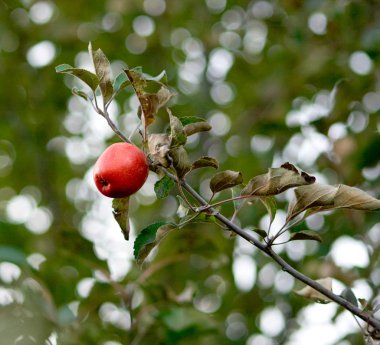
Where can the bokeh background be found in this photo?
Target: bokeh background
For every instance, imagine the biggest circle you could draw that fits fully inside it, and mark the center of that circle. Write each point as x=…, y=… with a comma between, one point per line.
x=284, y=81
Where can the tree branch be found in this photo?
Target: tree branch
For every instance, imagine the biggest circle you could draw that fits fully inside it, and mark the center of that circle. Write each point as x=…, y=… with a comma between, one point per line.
x=280, y=261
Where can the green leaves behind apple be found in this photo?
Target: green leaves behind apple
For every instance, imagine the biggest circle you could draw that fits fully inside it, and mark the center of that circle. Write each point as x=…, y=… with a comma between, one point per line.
x=149, y=237
x=163, y=187
x=277, y=180
x=310, y=293
x=120, y=212
x=224, y=180
x=321, y=197
x=103, y=71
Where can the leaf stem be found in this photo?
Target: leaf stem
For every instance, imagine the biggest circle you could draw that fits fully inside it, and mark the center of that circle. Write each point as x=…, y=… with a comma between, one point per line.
x=208, y=206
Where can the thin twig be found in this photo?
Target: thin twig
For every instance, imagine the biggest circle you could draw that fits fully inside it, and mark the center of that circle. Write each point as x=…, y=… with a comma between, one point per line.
x=208, y=206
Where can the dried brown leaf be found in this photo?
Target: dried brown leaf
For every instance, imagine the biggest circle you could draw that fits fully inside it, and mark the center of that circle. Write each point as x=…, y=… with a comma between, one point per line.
x=310, y=196
x=225, y=179
x=277, y=180
x=159, y=146
x=354, y=198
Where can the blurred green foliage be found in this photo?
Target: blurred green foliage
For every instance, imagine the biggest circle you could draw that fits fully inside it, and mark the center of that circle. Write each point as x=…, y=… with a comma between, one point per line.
x=296, y=81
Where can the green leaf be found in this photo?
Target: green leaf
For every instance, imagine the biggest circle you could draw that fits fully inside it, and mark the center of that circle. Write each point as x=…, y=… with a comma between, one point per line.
x=262, y=233
x=270, y=204
x=177, y=134
x=12, y=254
x=87, y=77
x=277, y=180
x=349, y=295
x=121, y=82
x=149, y=237
x=187, y=120
x=305, y=235
x=204, y=162
x=79, y=93
x=120, y=212
x=225, y=179
x=163, y=187
x=103, y=71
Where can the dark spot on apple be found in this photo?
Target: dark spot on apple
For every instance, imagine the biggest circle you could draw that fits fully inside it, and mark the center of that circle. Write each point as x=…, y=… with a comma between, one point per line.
x=103, y=182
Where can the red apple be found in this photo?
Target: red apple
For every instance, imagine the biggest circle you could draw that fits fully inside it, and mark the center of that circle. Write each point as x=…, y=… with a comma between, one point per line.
x=121, y=170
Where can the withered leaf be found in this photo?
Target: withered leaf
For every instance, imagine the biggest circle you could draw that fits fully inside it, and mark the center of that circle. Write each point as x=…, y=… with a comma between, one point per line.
x=277, y=180
x=355, y=198
x=309, y=196
x=103, y=71
x=225, y=179
x=305, y=235
x=120, y=212
x=320, y=197
x=159, y=146
x=177, y=135
x=197, y=127
x=204, y=162
x=180, y=160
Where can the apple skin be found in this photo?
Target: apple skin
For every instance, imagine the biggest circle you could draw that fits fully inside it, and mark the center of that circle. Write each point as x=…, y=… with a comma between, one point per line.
x=121, y=170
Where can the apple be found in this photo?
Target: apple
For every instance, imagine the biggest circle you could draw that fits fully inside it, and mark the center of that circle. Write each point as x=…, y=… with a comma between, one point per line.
x=121, y=170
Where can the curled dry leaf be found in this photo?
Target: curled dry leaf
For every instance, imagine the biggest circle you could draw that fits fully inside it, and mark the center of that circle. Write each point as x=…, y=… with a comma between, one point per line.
x=180, y=160
x=315, y=295
x=177, y=134
x=320, y=197
x=277, y=180
x=120, y=212
x=355, y=198
x=225, y=179
x=196, y=127
x=150, y=102
x=305, y=235
x=103, y=71
x=159, y=146
x=204, y=162
x=315, y=195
